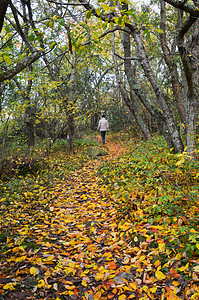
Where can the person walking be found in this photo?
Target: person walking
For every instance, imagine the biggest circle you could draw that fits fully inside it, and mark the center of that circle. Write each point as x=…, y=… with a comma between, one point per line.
x=103, y=127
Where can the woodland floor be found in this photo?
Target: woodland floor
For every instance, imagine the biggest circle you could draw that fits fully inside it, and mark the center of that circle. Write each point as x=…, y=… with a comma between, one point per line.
x=68, y=242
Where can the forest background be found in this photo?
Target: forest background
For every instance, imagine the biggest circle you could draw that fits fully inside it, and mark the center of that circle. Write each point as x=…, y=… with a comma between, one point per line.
x=63, y=64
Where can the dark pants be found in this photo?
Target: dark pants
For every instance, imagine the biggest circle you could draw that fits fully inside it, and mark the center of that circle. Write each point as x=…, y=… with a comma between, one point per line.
x=103, y=133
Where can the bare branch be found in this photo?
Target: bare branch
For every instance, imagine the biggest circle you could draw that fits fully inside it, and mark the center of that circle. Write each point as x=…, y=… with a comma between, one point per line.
x=183, y=5
x=126, y=58
x=66, y=4
x=50, y=62
x=8, y=40
x=185, y=26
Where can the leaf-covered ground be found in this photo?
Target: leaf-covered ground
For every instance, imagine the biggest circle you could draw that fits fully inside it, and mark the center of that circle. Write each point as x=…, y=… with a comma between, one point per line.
x=115, y=227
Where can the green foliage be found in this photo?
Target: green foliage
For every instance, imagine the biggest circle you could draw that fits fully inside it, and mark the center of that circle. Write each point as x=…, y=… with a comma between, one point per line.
x=86, y=142
x=161, y=185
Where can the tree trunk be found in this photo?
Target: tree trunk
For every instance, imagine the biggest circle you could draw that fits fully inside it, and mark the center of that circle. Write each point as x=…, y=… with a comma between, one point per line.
x=2, y=88
x=3, y=8
x=171, y=65
x=193, y=97
x=167, y=124
x=130, y=102
x=168, y=117
x=70, y=111
x=190, y=66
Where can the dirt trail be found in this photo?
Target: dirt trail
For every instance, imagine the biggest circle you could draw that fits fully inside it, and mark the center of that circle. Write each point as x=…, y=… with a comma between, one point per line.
x=65, y=242
x=96, y=256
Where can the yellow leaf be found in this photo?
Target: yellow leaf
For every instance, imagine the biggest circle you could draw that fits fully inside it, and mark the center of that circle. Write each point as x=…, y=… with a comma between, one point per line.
x=84, y=283
x=145, y=288
x=195, y=296
x=69, y=270
x=161, y=246
x=183, y=268
x=73, y=242
x=20, y=259
x=41, y=283
x=133, y=285
x=126, y=260
x=7, y=59
x=196, y=269
x=122, y=297
x=159, y=275
x=49, y=258
x=106, y=7
x=47, y=244
x=153, y=289
x=175, y=283
x=197, y=246
x=157, y=263
x=178, y=256
x=33, y=271
x=71, y=264
x=9, y=286
x=98, y=11
x=99, y=276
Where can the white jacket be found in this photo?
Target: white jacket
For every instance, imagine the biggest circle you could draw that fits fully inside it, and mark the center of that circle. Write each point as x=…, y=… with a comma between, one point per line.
x=103, y=125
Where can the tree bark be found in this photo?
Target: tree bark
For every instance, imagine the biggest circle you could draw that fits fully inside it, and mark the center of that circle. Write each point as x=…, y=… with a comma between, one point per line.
x=169, y=125
x=10, y=73
x=3, y=8
x=129, y=101
x=171, y=64
x=168, y=117
x=186, y=6
x=70, y=110
x=191, y=71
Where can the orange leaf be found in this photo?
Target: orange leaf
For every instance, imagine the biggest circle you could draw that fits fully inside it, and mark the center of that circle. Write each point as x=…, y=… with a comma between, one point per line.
x=173, y=297
x=112, y=265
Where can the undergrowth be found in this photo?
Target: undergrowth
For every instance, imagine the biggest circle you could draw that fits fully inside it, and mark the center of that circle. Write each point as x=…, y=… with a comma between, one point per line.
x=151, y=186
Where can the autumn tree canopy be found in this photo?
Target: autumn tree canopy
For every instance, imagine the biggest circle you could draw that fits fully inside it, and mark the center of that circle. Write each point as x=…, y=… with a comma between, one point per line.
x=148, y=60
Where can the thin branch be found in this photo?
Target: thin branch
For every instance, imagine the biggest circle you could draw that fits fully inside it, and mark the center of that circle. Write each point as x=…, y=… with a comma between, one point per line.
x=8, y=40
x=66, y=4
x=126, y=58
x=50, y=62
x=110, y=31
x=18, y=28
x=102, y=76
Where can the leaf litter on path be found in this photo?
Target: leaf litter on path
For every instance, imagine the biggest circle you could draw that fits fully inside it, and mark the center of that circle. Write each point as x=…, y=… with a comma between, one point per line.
x=71, y=245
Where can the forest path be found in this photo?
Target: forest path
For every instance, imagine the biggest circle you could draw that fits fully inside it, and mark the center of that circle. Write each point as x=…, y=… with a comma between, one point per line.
x=97, y=263
x=66, y=242
x=65, y=235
